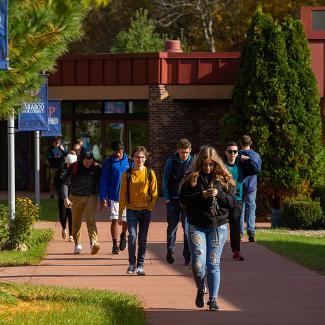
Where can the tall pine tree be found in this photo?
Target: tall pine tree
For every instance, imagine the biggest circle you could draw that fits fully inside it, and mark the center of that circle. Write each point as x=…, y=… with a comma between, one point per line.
x=272, y=101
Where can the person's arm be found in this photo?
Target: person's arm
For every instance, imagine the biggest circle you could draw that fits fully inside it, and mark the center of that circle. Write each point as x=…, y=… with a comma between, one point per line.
x=103, y=184
x=66, y=181
x=167, y=171
x=226, y=199
x=154, y=190
x=122, y=202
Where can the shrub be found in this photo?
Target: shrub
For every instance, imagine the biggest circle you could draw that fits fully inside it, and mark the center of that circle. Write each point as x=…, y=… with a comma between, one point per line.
x=27, y=213
x=302, y=213
x=4, y=228
x=319, y=194
x=17, y=235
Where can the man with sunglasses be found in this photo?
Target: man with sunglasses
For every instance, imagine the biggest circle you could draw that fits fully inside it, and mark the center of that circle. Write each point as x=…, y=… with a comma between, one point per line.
x=240, y=167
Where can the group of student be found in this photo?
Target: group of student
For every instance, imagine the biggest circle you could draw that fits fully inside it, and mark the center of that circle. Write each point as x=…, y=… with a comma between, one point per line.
x=204, y=192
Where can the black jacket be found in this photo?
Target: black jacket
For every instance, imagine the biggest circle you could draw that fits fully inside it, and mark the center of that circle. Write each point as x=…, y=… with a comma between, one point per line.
x=82, y=181
x=198, y=208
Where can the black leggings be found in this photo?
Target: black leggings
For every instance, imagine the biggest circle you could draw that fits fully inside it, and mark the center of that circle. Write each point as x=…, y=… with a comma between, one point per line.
x=64, y=216
x=234, y=224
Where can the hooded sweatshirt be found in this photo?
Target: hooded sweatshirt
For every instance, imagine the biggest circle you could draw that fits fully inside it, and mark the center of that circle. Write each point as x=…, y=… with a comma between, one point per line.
x=110, y=180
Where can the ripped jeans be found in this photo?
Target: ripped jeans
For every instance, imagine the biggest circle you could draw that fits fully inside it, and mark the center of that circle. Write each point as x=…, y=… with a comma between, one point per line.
x=205, y=256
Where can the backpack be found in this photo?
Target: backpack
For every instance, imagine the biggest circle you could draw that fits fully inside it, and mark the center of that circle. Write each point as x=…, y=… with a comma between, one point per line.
x=128, y=179
x=75, y=167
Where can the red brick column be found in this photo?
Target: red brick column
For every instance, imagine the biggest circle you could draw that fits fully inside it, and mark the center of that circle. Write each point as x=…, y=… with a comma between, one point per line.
x=171, y=120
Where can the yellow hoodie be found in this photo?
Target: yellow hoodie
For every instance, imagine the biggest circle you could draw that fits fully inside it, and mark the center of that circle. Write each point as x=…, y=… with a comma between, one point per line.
x=139, y=199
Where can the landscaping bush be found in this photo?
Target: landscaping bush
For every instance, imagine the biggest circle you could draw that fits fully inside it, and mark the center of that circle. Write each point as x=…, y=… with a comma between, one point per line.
x=302, y=213
x=17, y=235
x=4, y=228
x=319, y=194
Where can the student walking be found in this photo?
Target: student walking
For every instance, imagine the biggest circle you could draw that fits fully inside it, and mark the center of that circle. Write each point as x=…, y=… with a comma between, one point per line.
x=55, y=155
x=138, y=194
x=249, y=190
x=84, y=178
x=240, y=167
x=207, y=194
x=64, y=213
x=110, y=181
x=175, y=169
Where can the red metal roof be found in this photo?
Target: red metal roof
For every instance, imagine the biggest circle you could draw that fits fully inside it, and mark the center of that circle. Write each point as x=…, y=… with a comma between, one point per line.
x=146, y=68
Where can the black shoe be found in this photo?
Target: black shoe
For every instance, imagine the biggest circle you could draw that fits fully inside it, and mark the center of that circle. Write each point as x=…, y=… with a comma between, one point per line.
x=251, y=238
x=199, y=300
x=187, y=260
x=213, y=305
x=115, y=250
x=170, y=257
x=122, y=245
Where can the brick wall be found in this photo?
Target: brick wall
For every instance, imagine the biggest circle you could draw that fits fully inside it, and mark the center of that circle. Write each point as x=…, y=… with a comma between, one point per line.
x=171, y=120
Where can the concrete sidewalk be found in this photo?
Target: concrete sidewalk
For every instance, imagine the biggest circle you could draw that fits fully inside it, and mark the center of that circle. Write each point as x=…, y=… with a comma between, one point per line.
x=264, y=289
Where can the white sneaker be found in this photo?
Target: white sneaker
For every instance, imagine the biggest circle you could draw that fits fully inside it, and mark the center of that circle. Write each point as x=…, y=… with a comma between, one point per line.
x=140, y=271
x=77, y=249
x=94, y=248
x=70, y=238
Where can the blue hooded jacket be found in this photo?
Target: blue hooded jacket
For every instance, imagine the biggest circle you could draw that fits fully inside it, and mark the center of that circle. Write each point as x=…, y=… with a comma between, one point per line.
x=168, y=188
x=110, y=180
x=250, y=182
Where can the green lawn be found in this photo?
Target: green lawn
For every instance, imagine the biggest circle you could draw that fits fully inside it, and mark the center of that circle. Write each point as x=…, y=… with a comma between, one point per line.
x=305, y=248
x=49, y=210
x=36, y=249
x=28, y=304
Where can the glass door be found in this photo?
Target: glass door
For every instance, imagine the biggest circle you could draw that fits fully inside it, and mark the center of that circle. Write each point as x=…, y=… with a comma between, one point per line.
x=90, y=131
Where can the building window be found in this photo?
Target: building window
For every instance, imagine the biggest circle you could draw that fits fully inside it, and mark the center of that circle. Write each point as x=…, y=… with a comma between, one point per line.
x=318, y=20
x=138, y=107
x=87, y=107
x=115, y=108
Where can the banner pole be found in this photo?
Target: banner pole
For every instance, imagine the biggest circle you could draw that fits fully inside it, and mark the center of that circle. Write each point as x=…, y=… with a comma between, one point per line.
x=11, y=169
x=37, y=167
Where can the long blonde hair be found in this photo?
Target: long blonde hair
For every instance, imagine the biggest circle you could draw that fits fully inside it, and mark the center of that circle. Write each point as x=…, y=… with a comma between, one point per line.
x=220, y=172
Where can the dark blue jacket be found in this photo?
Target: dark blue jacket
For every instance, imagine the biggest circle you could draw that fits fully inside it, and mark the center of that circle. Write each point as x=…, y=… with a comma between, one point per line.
x=56, y=156
x=174, y=172
x=250, y=182
x=110, y=180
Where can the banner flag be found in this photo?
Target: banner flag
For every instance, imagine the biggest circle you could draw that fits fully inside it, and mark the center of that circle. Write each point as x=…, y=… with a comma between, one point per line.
x=54, y=119
x=4, y=35
x=34, y=115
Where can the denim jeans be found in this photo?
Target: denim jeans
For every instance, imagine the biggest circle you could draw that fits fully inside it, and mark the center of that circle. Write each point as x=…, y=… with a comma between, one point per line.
x=206, y=254
x=133, y=218
x=248, y=213
x=175, y=213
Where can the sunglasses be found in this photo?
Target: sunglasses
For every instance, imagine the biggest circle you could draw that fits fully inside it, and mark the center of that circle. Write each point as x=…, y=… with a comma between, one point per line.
x=232, y=152
x=139, y=157
x=208, y=165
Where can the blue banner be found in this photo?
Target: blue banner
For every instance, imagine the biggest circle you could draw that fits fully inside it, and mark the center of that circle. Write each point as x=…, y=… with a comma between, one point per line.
x=54, y=119
x=4, y=35
x=34, y=115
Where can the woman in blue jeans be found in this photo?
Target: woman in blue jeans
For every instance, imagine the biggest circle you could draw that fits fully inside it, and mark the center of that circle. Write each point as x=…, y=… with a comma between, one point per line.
x=207, y=194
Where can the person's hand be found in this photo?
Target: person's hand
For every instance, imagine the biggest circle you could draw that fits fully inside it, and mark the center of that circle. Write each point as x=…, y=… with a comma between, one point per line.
x=119, y=220
x=61, y=147
x=211, y=192
x=167, y=201
x=103, y=204
x=67, y=203
x=243, y=157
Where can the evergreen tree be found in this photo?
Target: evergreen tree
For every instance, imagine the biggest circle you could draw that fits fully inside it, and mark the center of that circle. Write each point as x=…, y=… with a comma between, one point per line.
x=140, y=37
x=39, y=33
x=270, y=104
